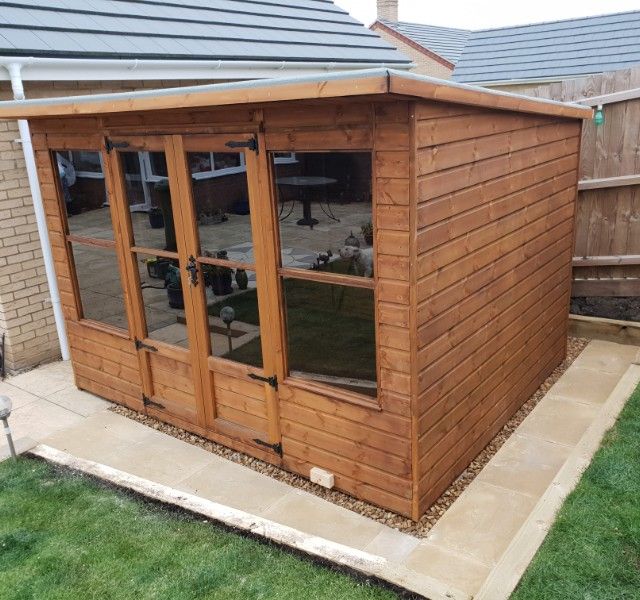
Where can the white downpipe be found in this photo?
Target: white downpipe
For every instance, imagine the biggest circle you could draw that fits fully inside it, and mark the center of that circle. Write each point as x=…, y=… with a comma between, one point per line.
x=38, y=208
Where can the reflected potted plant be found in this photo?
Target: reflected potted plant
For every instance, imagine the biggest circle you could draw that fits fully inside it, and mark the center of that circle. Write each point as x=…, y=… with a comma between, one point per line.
x=367, y=233
x=156, y=219
x=221, y=277
x=174, y=287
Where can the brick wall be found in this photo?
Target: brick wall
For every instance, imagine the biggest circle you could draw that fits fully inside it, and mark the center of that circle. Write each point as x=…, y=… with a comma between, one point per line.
x=26, y=316
x=425, y=65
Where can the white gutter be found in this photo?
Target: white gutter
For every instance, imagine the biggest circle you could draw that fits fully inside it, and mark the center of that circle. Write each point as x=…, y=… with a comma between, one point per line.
x=13, y=70
x=90, y=69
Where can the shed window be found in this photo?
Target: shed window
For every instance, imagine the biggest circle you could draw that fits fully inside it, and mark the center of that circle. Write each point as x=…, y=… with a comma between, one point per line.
x=90, y=238
x=327, y=268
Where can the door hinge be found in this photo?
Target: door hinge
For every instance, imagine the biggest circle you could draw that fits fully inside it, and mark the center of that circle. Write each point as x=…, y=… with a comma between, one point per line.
x=148, y=402
x=252, y=144
x=272, y=381
x=140, y=345
x=277, y=448
x=109, y=145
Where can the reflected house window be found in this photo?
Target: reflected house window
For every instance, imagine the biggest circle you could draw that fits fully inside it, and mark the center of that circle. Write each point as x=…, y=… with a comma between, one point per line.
x=87, y=163
x=326, y=230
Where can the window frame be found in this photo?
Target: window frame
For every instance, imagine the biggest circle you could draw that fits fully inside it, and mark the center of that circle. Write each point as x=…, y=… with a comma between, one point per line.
x=295, y=380
x=86, y=174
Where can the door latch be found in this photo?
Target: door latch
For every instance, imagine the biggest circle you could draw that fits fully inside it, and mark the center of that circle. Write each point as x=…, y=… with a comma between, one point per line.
x=272, y=381
x=192, y=269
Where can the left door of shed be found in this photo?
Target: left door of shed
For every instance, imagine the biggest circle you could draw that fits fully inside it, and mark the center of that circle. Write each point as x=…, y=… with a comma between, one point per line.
x=160, y=274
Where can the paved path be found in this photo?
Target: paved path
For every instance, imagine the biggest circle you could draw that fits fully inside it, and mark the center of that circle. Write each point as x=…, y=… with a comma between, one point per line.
x=461, y=551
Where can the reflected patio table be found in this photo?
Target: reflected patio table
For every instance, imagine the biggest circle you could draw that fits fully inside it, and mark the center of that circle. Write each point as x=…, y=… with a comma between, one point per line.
x=305, y=182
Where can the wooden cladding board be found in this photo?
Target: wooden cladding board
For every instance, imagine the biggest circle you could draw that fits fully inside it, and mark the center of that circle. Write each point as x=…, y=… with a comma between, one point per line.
x=495, y=204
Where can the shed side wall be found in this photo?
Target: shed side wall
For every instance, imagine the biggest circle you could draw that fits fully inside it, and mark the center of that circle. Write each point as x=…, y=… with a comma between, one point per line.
x=496, y=196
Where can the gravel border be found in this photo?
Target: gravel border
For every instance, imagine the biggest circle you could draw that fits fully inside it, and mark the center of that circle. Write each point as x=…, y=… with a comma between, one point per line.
x=418, y=529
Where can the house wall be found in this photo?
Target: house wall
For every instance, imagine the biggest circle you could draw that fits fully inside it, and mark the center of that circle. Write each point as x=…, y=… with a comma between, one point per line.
x=425, y=64
x=26, y=315
x=496, y=196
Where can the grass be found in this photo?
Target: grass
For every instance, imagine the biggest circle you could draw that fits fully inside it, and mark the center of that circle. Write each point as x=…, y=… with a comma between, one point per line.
x=593, y=549
x=330, y=328
x=63, y=536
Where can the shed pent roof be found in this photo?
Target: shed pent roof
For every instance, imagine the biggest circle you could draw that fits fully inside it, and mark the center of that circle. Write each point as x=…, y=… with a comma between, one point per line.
x=334, y=85
x=243, y=30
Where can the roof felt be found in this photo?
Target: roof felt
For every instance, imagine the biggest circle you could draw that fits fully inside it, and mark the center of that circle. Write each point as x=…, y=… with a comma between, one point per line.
x=267, y=30
x=446, y=42
x=557, y=49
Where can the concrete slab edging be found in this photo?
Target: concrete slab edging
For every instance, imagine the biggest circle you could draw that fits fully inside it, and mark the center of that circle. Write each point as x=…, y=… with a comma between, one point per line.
x=351, y=558
x=510, y=568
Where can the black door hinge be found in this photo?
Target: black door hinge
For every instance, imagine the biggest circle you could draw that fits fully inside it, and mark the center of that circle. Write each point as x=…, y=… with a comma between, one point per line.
x=252, y=144
x=141, y=345
x=148, y=402
x=272, y=381
x=109, y=145
x=277, y=448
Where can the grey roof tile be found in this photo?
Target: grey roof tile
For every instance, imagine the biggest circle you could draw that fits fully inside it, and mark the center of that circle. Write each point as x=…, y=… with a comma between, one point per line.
x=447, y=42
x=551, y=50
x=295, y=30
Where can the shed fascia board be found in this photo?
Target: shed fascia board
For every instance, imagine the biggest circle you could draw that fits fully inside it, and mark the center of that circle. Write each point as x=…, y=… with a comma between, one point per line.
x=335, y=85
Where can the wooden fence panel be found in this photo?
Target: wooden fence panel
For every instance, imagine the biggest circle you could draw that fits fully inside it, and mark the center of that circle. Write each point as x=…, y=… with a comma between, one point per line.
x=608, y=212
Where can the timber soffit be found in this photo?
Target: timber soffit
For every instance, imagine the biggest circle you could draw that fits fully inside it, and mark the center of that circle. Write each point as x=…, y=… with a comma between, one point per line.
x=333, y=85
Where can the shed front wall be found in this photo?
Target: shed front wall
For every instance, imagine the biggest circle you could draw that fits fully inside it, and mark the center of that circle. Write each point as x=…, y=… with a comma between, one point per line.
x=494, y=234
x=366, y=445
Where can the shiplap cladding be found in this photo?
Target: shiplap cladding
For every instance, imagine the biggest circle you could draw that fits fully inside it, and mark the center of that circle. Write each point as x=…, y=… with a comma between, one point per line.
x=495, y=208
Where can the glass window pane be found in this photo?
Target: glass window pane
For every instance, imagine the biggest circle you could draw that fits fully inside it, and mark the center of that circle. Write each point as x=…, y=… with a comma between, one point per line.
x=85, y=199
x=325, y=211
x=100, y=286
x=331, y=334
x=234, y=322
x=226, y=160
x=149, y=201
x=200, y=162
x=222, y=210
x=86, y=161
x=163, y=300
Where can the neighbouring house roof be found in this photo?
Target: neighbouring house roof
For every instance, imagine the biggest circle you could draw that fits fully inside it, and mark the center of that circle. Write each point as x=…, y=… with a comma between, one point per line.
x=446, y=42
x=332, y=85
x=554, y=50
x=238, y=30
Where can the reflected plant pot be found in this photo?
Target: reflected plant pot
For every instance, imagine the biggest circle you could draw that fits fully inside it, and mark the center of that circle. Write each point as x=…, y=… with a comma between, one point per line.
x=221, y=283
x=242, y=279
x=174, y=293
x=156, y=220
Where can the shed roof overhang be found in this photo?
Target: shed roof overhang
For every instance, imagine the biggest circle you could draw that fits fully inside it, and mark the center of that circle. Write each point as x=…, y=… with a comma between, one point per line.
x=334, y=85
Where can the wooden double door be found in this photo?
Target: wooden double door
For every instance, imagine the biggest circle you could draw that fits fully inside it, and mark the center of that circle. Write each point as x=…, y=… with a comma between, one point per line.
x=210, y=358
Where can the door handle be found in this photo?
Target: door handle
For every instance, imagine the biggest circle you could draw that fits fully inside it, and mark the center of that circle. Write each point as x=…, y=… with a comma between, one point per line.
x=192, y=269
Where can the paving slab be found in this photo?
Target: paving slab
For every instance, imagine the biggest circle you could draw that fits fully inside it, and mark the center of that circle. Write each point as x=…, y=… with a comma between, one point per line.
x=45, y=380
x=79, y=401
x=525, y=464
x=19, y=397
x=558, y=420
x=607, y=357
x=40, y=418
x=585, y=385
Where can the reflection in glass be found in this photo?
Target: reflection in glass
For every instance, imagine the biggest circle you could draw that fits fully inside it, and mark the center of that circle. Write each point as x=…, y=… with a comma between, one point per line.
x=163, y=300
x=331, y=334
x=99, y=284
x=234, y=322
x=154, y=227
x=325, y=211
x=85, y=197
x=221, y=201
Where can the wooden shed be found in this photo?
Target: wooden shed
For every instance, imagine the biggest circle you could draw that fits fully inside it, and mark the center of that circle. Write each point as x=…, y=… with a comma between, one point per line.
x=367, y=273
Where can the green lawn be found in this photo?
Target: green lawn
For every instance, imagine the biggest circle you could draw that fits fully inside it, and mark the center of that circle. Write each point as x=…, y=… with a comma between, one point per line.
x=63, y=536
x=593, y=550
x=330, y=329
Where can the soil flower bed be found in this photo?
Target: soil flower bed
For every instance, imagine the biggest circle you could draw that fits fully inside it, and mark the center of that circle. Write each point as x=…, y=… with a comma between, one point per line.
x=429, y=519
